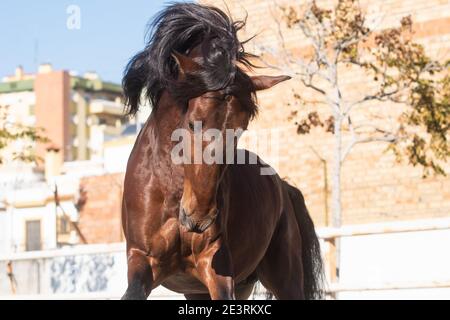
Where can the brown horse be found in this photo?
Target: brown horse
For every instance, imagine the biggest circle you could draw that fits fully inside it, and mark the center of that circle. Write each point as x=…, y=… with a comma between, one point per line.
x=207, y=230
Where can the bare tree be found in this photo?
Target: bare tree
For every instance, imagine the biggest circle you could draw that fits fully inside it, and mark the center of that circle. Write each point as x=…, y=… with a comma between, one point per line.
x=397, y=72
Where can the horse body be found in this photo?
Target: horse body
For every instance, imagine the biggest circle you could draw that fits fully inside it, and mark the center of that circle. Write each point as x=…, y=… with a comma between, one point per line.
x=154, y=189
x=207, y=230
x=240, y=193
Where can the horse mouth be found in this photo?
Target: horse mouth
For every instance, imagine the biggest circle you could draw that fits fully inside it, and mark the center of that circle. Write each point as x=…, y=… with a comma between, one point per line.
x=196, y=226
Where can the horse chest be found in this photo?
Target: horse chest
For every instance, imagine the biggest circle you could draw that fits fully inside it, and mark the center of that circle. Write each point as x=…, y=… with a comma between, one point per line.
x=162, y=243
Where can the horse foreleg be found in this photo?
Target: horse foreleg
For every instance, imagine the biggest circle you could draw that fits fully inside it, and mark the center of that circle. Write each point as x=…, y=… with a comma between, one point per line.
x=140, y=276
x=215, y=271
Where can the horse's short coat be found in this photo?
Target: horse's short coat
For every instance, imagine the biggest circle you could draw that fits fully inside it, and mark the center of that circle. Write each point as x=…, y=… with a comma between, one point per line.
x=207, y=231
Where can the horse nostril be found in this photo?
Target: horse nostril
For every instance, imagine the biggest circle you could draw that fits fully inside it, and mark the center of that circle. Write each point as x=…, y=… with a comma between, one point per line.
x=184, y=212
x=184, y=219
x=197, y=226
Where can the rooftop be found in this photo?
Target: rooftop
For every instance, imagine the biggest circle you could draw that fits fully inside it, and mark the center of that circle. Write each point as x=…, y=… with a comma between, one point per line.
x=21, y=81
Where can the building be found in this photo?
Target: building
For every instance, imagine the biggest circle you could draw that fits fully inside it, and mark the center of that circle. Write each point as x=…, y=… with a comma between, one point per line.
x=83, y=117
x=78, y=113
x=36, y=213
x=75, y=202
x=90, y=141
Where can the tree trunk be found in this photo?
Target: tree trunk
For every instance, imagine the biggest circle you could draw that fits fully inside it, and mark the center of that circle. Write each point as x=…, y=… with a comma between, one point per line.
x=336, y=189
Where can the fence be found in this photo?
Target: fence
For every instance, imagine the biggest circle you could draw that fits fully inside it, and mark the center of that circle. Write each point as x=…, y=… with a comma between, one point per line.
x=396, y=260
x=387, y=260
x=81, y=272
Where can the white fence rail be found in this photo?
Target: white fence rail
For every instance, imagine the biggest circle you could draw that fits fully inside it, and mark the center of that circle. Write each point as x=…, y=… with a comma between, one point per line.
x=66, y=251
x=390, y=286
x=405, y=259
x=383, y=228
x=385, y=260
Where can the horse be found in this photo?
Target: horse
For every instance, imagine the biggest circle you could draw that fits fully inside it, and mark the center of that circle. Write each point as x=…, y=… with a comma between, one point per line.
x=207, y=230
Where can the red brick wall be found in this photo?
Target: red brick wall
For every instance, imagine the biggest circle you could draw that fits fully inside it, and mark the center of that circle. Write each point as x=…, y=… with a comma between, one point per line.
x=374, y=187
x=100, y=214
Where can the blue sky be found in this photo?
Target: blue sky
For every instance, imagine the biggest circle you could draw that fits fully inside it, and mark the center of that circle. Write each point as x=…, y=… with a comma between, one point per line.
x=111, y=32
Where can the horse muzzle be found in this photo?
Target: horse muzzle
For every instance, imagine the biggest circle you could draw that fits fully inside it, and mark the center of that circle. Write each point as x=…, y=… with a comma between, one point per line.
x=197, y=225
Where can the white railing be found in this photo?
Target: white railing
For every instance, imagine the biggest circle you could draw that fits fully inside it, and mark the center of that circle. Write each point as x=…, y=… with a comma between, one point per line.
x=382, y=228
x=352, y=233
x=336, y=287
x=66, y=251
x=328, y=235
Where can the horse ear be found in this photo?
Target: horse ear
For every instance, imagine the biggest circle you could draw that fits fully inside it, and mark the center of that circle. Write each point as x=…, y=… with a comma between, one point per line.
x=266, y=82
x=185, y=64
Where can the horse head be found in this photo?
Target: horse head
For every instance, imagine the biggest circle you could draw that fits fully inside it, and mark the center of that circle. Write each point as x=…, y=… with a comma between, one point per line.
x=214, y=121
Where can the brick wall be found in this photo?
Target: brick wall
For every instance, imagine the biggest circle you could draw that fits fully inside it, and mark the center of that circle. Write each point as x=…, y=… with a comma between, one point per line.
x=374, y=187
x=100, y=214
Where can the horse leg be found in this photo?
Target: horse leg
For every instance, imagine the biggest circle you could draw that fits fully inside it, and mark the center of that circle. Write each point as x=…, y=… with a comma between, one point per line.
x=281, y=269
x=140, y=276
x=197, y=296
x=243, y=292
x=215, y=271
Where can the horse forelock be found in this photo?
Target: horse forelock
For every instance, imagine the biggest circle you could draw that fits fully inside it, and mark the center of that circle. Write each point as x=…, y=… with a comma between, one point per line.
x=181, y=27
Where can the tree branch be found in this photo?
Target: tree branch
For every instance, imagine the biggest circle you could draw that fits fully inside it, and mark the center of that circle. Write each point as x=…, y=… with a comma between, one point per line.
x=357, y=138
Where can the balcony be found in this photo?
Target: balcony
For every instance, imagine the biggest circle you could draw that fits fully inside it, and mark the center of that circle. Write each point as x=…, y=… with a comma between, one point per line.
x=106, y=107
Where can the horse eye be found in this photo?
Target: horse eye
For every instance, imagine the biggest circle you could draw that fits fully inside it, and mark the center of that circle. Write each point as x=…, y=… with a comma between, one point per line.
x=191, y=125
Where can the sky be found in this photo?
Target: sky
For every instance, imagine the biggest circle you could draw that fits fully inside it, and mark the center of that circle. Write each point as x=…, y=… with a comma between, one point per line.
x=105, y=37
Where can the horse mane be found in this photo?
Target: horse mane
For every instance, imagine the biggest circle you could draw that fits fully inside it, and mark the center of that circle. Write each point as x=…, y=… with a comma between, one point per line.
x=180, y=27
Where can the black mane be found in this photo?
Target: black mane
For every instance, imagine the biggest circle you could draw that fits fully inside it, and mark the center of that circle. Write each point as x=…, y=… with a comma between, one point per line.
x=181, y=27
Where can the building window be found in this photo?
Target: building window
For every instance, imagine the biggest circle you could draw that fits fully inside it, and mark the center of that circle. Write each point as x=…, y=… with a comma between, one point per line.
x=63, y=226
x=33, y=235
